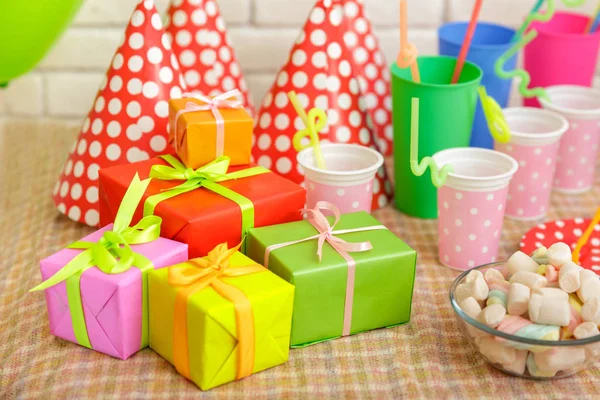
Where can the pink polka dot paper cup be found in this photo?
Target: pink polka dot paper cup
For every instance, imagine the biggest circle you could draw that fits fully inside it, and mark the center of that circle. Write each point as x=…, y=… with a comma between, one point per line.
x=534, y=143
x=348, y=180
x=471, y=205
x=579, y=145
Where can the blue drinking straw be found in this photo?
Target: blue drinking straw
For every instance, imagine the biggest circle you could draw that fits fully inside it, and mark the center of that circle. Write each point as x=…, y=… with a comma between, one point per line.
x=596, y=21
x=525, y=25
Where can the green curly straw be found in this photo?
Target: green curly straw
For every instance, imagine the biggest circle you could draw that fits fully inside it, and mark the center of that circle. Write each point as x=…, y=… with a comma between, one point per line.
x=438, y=178
x=573, y=3
x=536, y=15
x=524, y=75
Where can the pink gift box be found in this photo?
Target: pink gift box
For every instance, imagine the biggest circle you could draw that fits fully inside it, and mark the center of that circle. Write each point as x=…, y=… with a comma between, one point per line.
x=111, y=302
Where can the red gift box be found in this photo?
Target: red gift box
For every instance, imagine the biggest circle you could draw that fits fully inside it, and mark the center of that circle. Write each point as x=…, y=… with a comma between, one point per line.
x=202, y=218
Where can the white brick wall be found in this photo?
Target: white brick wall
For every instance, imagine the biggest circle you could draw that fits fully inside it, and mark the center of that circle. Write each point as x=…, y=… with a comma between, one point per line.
x=65, y=83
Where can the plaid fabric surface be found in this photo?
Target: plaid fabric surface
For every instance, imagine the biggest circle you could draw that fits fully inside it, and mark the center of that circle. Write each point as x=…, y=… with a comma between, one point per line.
x=427, y=358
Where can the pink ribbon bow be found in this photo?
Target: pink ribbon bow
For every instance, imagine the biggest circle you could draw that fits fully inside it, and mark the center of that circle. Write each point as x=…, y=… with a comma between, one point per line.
x=231, y=99
x=327, y=234
x=321, y=224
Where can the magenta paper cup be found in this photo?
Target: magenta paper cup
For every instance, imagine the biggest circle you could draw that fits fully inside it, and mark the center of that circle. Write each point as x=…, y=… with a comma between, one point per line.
x=348, y=180
x=561, y=54
x=579, y=145
x=534, y=143
x=471, y=205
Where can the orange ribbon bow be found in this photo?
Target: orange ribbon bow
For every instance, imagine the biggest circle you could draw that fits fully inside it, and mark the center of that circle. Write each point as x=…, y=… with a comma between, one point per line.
x=198, y=274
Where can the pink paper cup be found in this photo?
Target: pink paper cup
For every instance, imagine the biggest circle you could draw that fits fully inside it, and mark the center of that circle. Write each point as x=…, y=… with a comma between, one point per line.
x=348, y=180
x=562, y=54
x=579, y=145
x=471, y=205
x=534, y=143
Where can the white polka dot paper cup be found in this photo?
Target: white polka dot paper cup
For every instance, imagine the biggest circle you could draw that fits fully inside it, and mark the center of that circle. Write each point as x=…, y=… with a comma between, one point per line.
x=579, y=145
x=348, y=180
x=534, y=143
x=471, y=205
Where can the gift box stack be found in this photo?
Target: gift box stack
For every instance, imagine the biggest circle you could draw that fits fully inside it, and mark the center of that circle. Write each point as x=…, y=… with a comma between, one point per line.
x=205, y=257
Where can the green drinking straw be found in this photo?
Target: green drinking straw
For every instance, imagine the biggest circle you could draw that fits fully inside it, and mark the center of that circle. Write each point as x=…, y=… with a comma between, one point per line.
x=521, y=73
x=314, y=121
x=438, y=178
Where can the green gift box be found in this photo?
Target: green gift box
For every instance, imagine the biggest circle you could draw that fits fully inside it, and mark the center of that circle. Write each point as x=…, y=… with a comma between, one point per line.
x=332, y=299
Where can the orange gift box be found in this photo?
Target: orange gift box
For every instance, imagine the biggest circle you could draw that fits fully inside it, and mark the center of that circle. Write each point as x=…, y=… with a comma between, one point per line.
x=204, y=130
x=202, y=218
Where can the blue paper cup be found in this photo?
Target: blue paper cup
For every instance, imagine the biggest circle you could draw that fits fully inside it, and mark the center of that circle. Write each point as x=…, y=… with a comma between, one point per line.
x=490, y=41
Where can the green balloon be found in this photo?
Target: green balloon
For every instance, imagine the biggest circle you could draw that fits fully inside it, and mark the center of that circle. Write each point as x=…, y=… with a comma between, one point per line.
x=28, y=28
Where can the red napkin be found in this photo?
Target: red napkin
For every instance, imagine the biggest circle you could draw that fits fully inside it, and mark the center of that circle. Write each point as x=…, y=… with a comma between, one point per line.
x=568, y=231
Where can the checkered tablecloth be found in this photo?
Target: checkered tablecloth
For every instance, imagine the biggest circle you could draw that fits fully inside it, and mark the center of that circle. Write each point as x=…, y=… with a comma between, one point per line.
x=427, y=358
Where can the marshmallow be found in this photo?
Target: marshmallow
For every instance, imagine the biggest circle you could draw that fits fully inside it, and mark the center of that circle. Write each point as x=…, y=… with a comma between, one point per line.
x=568, y=277
x=534, y=370
x=553, y=285
x=589, y=285
x=549, y=306
x=586, y=330
x=462, y=292
x=478, y=288
x=591, y=311
x=560, y=359
x=477, y=334
x=473, y=275
x=492, y=315
x=498, y=295
x=558, y=254
x=519, y=326
x=575, y=305
x=539, y=255
x=518, y=299
x=518, y=367
x=529, y=279
x=492, y=275
x=549, y=272
x=496, y=352
x=475, y=287
x=471, y=307
x=521, y=262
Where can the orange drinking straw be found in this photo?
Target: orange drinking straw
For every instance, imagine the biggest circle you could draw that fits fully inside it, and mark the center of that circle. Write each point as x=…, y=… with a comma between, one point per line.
x=408, y=52
x=464, y=50
x=585, y=237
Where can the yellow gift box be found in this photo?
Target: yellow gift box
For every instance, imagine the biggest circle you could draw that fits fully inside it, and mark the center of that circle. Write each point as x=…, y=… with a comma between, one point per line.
x=220, y=318
x=204, y=128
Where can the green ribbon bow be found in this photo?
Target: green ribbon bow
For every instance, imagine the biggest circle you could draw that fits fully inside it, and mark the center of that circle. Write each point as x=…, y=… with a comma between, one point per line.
x=112, y=254
x=206, y=176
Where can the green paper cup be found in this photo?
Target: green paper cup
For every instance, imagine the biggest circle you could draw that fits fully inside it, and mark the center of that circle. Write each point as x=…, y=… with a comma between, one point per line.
x=445, y=121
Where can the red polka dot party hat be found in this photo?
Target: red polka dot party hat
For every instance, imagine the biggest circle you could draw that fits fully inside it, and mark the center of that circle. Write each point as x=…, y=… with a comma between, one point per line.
x=201, y=43
x=323, y=71
x=371, y=68
x=128, y=119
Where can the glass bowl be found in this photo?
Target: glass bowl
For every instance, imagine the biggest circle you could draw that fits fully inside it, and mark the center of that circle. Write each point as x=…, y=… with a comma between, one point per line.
x=520, y=356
